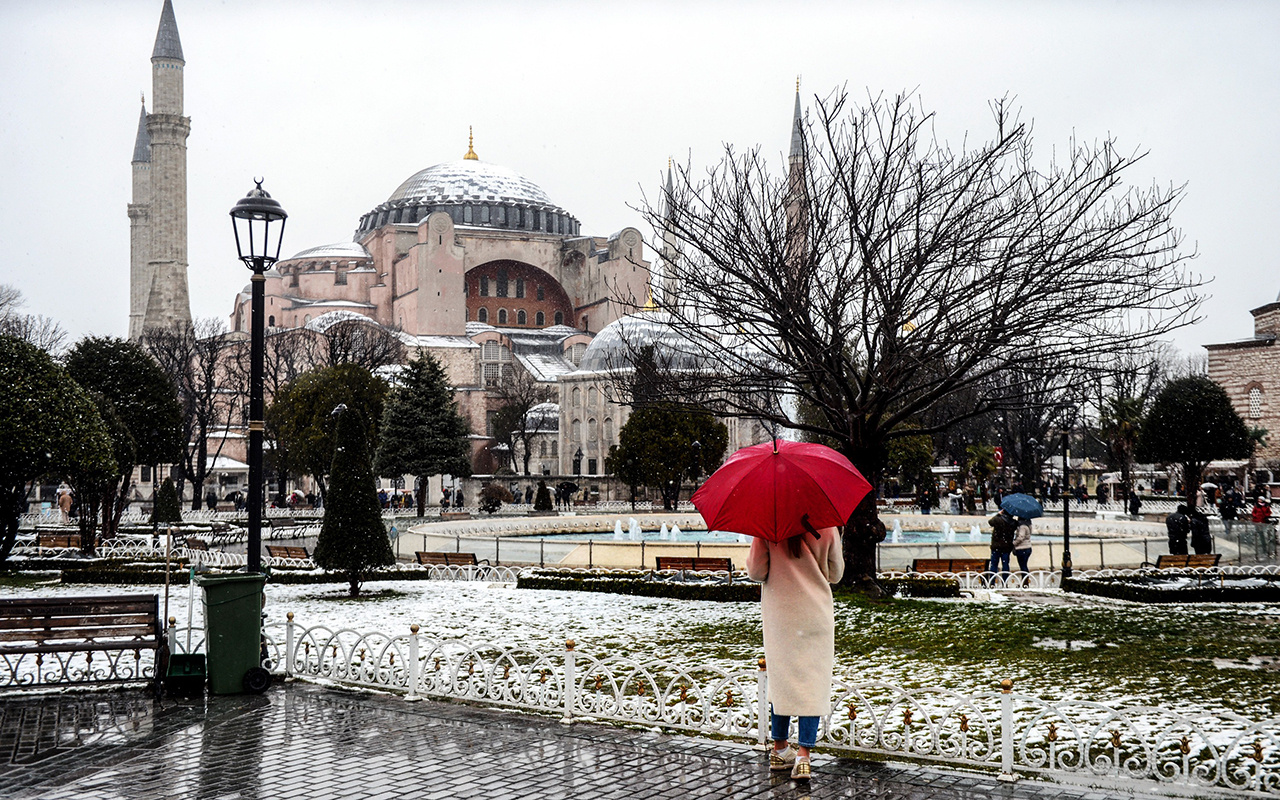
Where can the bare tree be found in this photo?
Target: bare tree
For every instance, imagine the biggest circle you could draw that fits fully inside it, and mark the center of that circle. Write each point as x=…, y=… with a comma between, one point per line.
x=362, y=342
x=199, y=359
x=34, y=329
x=518, y=392
x=887, y=272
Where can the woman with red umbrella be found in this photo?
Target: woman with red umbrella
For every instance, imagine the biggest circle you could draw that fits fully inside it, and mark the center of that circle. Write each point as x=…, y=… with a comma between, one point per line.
x=793, y=497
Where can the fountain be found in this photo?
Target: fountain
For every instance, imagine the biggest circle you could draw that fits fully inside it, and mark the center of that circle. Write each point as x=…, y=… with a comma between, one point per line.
x=896, y=535
x=617, y=531
x=664, y=534
x=675, y=532
x=634, y=533
x=975, y=534
x=948, y=533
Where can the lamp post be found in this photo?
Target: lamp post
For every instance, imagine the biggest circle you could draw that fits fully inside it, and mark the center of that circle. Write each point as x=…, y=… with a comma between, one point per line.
x=697, y=462
x=1066, y=504
x=258, y=222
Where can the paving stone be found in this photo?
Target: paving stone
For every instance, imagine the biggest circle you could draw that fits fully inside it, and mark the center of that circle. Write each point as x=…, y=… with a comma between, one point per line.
x=304, y=741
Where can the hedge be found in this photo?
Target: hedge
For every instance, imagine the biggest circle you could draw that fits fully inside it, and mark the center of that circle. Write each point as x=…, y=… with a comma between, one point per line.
x=1210, y=592
x=639, y=587
x=921, y=587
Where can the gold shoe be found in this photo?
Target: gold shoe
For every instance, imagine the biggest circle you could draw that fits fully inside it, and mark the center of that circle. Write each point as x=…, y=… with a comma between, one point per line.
x=781, y=760
x=800, y=772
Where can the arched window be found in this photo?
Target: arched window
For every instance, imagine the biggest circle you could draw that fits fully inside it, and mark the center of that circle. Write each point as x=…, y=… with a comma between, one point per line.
x=559, y=317
x=519, y=287
x=591, y=429
x=1255, y=402
x=540, y=319
x=555, y=448
x=522, y=318
x=542, y=295
x=593, y=397
x=608, y=430
x=271, y=320
x=491, y=351
x=577, y=397
x=483, y=315
x=575, y=430
x=502, y=316
x=542, y=449
x=307, y=318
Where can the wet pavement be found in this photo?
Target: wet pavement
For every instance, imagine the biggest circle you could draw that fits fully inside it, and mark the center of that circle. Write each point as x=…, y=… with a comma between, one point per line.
x=306, y=741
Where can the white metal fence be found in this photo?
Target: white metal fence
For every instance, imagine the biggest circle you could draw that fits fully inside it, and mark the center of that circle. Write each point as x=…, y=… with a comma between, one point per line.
x=1012, y=732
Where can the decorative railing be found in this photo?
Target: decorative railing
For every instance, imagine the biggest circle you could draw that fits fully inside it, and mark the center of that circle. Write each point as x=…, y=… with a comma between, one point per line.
x=1075, y=741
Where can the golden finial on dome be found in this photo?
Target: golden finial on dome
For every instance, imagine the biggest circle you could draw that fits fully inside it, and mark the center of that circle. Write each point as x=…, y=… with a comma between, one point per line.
x=797, y=84
x=471, y=152
x=649, y=304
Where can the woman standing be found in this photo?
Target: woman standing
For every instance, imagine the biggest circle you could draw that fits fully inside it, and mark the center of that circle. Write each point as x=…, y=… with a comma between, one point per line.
x=1022, y=543
x=799, y=635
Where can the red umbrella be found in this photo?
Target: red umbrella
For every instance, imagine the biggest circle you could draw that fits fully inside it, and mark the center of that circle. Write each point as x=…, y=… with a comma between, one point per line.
x=764, y=490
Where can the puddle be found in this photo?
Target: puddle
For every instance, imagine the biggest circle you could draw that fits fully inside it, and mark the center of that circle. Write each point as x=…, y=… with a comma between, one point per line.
x=1064, y=644
x=1271, y=663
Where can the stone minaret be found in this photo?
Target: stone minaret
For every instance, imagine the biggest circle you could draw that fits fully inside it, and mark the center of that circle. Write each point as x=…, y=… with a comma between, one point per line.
x=139, y=229
x=797, y=191
x=168, y=303
x=670, y=247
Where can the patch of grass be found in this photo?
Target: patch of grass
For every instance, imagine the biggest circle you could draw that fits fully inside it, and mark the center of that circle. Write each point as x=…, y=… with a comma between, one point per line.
x=28, y=580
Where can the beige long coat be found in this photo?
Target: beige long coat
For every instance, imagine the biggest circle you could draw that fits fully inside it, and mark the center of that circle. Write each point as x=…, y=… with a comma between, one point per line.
x=799, y=620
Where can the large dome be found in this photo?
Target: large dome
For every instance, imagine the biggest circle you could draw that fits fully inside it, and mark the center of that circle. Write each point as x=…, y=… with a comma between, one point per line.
x=476, y=194
x=470, y=180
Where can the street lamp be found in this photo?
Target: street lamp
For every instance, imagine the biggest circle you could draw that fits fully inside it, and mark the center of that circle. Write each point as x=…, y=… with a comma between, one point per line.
x=1066, y=494
x=258, y=237
x=697, y=462
x=577, y=462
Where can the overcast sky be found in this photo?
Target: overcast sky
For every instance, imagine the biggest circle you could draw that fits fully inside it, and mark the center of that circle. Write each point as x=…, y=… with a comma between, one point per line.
x=335, y=103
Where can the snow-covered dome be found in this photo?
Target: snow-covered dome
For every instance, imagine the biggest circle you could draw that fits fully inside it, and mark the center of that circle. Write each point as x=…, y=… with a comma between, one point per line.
x=474, y=193
x=544, y=418
x=617, y=344
x=337, y=250
x=470, y=180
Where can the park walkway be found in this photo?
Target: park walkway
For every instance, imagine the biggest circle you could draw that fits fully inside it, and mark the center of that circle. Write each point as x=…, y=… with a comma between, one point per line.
x=305, y=741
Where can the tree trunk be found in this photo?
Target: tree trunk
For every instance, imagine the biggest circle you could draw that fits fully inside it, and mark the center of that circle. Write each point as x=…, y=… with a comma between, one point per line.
x=14, y=506
x=353, y=580
x=422, y=496
x=1191, y=472
x=860, y=537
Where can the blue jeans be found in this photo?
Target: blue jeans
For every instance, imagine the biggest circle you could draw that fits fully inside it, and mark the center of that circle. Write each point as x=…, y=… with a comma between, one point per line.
x=997, y=559
x=1024, y=556
x=781, y=728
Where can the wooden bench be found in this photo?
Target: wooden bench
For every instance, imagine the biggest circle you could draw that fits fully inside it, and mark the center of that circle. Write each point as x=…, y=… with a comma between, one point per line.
x=955, y=566
x=1192, y=561
x=286, y=552
x=197, y=544
x=448, y=559
x=57, y=541
x=64, y=633
x=449, y=515
x=693, y=564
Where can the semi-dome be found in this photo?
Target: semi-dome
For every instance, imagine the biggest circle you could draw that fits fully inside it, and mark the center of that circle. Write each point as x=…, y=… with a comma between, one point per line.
x=347, y=250
x=617, y=344
x=474, y=193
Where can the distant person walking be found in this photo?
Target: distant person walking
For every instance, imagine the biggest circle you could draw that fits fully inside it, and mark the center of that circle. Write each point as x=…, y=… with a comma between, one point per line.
x=64, y=504
x=1178, y=527
x=799, y=636
x=1003, y=528
x=1022, y=543
x=1135, y=503
x=1201, y=539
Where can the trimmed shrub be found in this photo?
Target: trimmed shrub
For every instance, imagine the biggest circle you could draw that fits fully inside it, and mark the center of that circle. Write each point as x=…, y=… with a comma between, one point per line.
x=638, y=586
x=921, y=586
x=1210, y=592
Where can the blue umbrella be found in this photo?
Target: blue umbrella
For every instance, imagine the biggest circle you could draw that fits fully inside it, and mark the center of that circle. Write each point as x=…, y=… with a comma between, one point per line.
x=1022, y=505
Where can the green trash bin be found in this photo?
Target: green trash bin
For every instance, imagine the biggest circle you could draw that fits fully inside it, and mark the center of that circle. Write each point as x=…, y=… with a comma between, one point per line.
x=233, y=632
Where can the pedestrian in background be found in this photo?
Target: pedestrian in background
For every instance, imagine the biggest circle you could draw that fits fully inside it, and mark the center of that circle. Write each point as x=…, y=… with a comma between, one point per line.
x=1003, y=528
x=1201, y=539
x=1178, y=527
x=1022, y=543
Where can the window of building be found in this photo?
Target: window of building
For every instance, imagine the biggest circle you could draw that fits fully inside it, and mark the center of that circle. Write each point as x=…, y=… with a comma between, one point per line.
x=484, y=215
x=339, y=278
x=575, y=430
x=576, y=352
x=542, y=295
x=145, y=475
x=306, y=318
x=542, y=449
x=593, y=397
x=591, y=466
x=577, y=397
x=559, y=317
x=540, y=319
x=271, y=320
x=555, y=448
x=586, y=326
x=522, y=318
x=502, y=316
x=492, y=375
x=519, y=287
x=484, y=285
x=608, y=429
x=483, y=315
x=1255, y=403
x=591, y=429
x=488, y=422
x=502, y=282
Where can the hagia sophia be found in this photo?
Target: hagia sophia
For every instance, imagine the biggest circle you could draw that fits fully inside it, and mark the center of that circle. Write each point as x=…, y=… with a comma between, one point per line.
x=466, y=260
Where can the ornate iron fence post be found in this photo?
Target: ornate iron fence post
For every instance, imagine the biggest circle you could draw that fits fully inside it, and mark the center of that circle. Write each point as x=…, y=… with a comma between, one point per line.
x=762, y=702
x=290, y=646
x=1006, y=731
x=413, y=664
x=171, y=634
x=570, y=681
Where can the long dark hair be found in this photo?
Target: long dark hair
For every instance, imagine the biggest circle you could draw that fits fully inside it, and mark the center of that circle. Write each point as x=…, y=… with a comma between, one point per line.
x=794, y=543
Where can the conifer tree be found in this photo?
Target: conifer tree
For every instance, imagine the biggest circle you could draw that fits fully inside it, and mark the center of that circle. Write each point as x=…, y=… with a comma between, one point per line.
x=352, y=539
x=422, y=433
x=166, y=507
